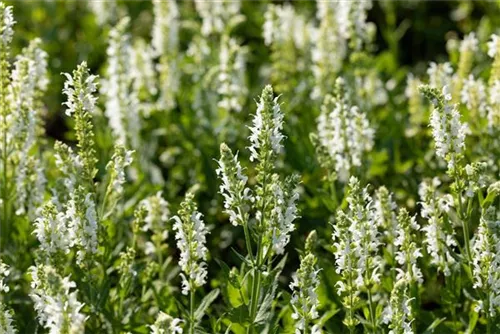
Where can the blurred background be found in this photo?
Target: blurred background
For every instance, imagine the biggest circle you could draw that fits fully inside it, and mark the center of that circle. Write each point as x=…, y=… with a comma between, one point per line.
x=409, y=33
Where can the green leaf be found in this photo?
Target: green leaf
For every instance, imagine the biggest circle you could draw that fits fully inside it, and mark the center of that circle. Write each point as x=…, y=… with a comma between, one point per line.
x=205, y=303
x=434, y=325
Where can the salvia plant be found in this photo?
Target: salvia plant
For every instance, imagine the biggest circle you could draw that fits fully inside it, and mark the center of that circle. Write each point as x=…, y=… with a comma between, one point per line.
x=247, y=167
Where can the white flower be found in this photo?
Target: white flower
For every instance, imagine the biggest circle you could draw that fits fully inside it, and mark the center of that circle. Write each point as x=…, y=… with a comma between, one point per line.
x=215, y=15
x=191, y=239
x=438, y=240
x=304, y=299
x=486, y=260
x=439, y=74
x=157, y=215
x=494, y=46
x=231, y=82
x=469, y=43
x=473, y=94
x=120, y=160
x=4, y=272
x=82, y=223
x=284, y=211
x=237, y=196
x=447, y=129
x=166, y=324
x=165, y=31
x=345, y=133
x=122, y=105
x=267, y=126
x=398, y=314
x=57, y=307
x=6, y=24
x=51, y=230
x=6, y=322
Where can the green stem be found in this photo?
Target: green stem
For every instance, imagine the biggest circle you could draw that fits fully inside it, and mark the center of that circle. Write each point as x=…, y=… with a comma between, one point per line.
x=248, y=242
x=191, y=308
x=254, y=298
x=372, y=315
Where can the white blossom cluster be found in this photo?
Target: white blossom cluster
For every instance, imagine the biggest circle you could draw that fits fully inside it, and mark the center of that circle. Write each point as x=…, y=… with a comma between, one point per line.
x=345, y=133
x=105, y=11
x=486, y=260
x=215, y=15
x=408, y=251
x=342, y=25
x=231, y=81
x=157, y=214
x=122, y=105
x=398, y=314
x=447, y=129
x=356, y=240
x=165, y=42
x=494, y=84
x=191, y=239
x=6, y=322
x=283, y=212
x=120, y=160
x=267, y=125
x=69, y=219
x=7, y=24
x=283, y=25
x=143, y=71
x=440, y=75
x=439, y=241
x=237, y=196
x=56, y=302
x=473, y=95
x=28, y=82
x=305, y=283
x=476, y=177
x=165, y=324
x=165, y=31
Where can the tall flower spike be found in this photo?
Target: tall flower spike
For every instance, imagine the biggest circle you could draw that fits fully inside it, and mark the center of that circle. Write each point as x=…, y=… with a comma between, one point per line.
x=165, y=41
x=266, y=137
x=356, y=248
x=408, y=251
x=304, y=300
x=82, y=224
x=398, y=313
x=447, y=129
x=6, y=322
x=120, y=160
x=80, y=89
x=56, y=303
x=283, y=213
x=165, y=324
x=468, y=48
x=237, y=196
x=494, y=52
x=486, y=261
x=215, y=15
x=165, y=33
x=438, y=238
x=121, y=106
x=191, y=238
x=156, y=217
x=345, y=264
x=6, y=25
x=344, y=132
x=51, y=230
x=473, y=95
x=385, y=216
x=439, y=74
x=231, y=81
